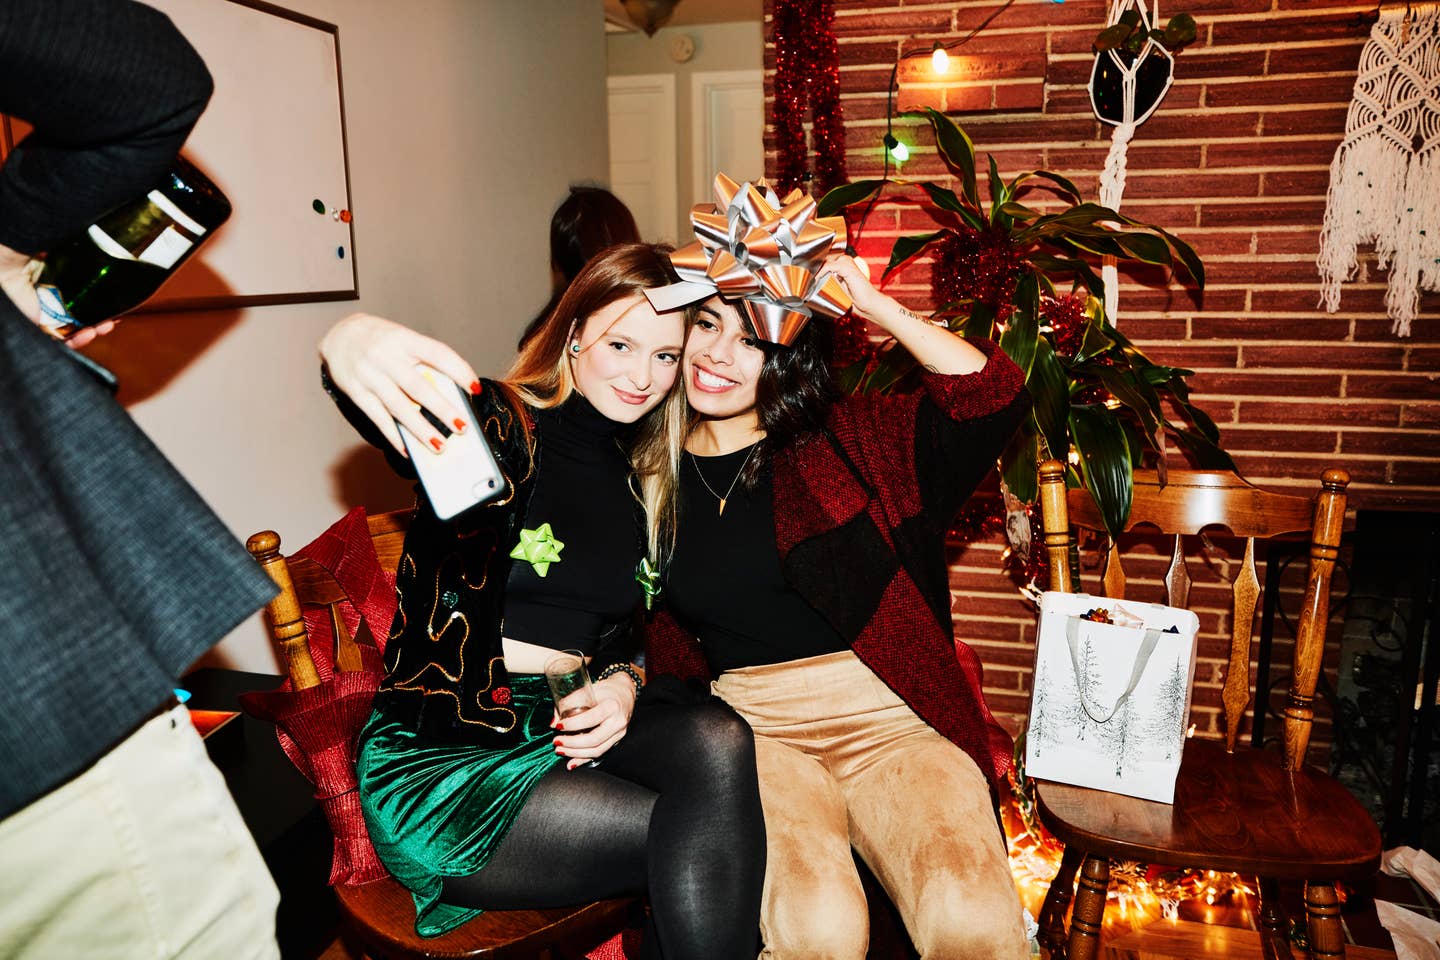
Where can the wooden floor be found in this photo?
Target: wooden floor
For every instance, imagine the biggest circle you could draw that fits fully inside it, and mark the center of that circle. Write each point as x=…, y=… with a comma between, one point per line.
x=1189, y=940
x=1228, y=933
x=1227, y=930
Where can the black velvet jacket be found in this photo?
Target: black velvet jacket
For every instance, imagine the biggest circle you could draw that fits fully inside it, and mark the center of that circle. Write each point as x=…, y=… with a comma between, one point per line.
x=444, y=667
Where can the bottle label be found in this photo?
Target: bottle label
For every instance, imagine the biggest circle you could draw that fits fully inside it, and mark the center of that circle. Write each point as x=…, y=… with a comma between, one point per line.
x=54, y=318
x=166, y=249
x=175, y=213
x=108, y=243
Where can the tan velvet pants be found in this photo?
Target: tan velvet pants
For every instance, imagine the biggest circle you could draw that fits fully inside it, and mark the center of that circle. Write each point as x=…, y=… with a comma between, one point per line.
x=845, y=763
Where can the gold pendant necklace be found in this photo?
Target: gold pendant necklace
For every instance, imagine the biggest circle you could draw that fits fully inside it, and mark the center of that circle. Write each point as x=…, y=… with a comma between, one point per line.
x=730, y=489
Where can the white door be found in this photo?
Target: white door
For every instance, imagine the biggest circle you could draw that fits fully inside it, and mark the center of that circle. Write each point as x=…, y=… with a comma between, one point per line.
x=642, y=150
x=727, y=116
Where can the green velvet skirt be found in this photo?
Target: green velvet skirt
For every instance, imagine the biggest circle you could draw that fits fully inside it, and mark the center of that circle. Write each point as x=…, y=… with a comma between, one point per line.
x=437, y=809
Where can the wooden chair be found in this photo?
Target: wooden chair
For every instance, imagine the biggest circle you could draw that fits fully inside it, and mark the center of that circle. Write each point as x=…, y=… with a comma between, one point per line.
x=1254, y=812
x=379, y=917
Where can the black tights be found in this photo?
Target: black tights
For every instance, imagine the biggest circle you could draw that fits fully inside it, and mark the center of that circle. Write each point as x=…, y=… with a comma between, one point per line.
x=674, y=809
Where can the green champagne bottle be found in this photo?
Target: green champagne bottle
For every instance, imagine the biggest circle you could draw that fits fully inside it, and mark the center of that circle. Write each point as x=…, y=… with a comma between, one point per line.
x=124, y=256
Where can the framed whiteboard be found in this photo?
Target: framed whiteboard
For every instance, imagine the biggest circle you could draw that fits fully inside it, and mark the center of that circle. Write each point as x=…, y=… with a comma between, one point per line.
x=273, y=138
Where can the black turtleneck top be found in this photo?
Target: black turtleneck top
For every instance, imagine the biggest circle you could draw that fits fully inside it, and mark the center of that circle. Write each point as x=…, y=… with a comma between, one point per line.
x=582, y=489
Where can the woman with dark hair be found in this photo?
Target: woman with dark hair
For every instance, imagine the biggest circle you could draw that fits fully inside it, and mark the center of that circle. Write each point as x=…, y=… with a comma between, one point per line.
x=590, y=219
x=472, y=800
x=828, y=515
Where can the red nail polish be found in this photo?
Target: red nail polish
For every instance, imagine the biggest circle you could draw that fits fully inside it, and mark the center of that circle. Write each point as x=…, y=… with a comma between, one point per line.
x=475, y=388
x=555, y=742
x=437, y=443
x=459, y=425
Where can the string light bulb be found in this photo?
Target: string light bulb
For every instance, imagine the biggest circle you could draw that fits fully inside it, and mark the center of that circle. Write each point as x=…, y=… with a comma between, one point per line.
x=898, y=150
x=940, y=59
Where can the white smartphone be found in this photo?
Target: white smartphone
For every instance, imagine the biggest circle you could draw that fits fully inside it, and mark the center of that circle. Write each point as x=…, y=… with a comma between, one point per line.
x=464, y=473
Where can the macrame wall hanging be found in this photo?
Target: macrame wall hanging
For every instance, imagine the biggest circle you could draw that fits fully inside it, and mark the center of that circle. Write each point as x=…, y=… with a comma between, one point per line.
x=1385, y=177
x=1126, y=87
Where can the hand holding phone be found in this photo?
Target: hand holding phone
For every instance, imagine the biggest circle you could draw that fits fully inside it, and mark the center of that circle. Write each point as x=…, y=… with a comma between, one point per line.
x=463, y=473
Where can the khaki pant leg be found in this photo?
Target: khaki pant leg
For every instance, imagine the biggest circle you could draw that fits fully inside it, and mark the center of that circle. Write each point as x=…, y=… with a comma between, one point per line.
x=812, y=905
x=922, y=819
x=142, y=857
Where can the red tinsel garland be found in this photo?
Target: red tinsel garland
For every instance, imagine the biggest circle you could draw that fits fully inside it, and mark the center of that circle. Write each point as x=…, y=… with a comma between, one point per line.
x=807, y=74
x=851, y=343
x=979, y=265
x=1066, y=318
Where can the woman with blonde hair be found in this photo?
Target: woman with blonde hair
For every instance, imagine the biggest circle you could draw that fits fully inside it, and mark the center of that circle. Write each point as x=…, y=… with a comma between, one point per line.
x=476, y=794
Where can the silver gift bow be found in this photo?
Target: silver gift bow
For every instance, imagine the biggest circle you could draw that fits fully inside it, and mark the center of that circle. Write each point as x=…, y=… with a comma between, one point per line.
x=768, y=256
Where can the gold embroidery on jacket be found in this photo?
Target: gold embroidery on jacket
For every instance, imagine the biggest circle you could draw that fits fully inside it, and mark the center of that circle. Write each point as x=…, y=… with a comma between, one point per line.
x=502, y=421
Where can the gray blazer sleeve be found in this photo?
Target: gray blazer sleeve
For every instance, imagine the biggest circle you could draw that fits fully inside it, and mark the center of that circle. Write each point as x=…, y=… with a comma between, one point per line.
x=112, y=90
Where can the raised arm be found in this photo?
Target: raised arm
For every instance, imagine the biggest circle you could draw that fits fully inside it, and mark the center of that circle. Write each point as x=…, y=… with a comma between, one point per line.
x=374, y=362
x=937, y=349
x=946, y=437
x=112, y=90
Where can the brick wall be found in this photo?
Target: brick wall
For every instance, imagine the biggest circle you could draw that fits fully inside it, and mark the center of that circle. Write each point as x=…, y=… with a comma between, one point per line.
x=1236, y=161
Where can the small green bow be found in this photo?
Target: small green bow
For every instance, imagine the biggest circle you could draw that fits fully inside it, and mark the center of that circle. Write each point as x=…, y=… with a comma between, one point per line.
x=539, y=548
x=649, y=579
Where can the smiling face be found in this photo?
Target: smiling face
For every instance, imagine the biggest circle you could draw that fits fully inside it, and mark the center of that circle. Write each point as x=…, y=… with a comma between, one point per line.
x=628, y=357
x=723, y=360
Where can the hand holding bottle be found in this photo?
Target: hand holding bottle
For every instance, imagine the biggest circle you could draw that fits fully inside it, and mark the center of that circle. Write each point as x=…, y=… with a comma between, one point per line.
x=17, y=280
x=18, y=283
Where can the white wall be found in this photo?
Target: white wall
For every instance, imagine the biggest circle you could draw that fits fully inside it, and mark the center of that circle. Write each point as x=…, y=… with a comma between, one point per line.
x=718, y=46
x=466, y=121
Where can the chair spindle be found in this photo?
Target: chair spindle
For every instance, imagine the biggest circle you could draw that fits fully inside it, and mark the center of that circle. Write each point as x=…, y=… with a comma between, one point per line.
x=1055, y=520
x=1177, y=576
x=287, y=624
x=1114, y=579
x=347, y=651
x=1314, y=615
x=1236, y=694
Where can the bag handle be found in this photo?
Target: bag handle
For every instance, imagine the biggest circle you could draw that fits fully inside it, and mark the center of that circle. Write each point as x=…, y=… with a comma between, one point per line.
x=1142, y=659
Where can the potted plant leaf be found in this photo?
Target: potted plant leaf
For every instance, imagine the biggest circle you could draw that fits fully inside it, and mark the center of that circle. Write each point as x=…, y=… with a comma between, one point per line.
x=1006, y=270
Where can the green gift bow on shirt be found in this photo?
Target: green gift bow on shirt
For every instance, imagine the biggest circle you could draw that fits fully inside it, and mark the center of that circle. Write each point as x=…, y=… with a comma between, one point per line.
x=649, y=579
x=539, y=548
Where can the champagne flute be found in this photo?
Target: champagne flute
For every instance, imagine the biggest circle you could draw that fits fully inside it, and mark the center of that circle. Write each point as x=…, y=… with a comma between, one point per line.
x=569, y=683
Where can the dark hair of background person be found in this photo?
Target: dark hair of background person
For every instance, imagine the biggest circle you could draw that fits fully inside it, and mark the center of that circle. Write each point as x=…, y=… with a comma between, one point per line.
x=590, y=220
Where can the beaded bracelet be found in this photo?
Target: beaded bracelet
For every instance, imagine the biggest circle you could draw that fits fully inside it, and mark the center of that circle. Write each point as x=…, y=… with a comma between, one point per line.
x=626, y=669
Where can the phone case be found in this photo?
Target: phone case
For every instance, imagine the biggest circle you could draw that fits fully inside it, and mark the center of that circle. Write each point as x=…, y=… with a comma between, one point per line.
x=464, y=473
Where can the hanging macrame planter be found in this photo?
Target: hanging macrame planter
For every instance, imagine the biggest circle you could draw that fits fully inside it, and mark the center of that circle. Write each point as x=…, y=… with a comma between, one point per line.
x=1126, y=87
x=1385, y=177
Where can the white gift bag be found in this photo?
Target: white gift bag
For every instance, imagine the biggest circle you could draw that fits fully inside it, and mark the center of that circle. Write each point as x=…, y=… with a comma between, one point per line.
x=1111, y=701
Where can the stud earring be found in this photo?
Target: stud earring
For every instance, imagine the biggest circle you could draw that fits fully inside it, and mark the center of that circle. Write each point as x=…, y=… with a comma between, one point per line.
x=574, y=347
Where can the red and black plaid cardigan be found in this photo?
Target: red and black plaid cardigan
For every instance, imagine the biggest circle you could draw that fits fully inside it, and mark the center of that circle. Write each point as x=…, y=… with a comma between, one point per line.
x=861, y=515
